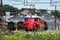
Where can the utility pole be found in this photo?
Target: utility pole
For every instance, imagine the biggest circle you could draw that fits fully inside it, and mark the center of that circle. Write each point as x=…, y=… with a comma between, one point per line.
x=55, y=15
x=0, y=7
x=25, y=2
x=55, y=6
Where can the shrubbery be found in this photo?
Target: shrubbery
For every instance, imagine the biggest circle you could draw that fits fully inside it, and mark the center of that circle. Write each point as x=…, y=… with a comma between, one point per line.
x=39, y=35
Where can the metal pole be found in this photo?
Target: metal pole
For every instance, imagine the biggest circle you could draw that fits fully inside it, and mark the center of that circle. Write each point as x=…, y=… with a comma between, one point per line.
x=24, y=2
x=55, y=16
x=51, y=2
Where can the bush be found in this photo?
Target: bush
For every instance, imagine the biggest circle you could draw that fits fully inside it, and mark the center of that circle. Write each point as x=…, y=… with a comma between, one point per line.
x=39, y=35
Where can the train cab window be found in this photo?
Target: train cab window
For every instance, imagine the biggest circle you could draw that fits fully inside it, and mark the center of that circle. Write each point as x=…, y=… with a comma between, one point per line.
x=31, y=20
x=26, y=19
x=37, y=19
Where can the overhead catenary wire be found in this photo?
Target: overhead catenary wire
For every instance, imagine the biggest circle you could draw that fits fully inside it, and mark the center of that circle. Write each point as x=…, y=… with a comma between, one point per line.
x=17, y=0
x=36, y=2
x=27, y=2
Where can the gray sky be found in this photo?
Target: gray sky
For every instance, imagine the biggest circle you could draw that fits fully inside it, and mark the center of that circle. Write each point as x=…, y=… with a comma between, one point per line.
x=20, y=4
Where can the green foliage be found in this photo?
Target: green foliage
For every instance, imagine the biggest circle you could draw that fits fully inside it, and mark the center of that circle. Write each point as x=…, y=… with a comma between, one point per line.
x=15, y=11
x=11, y=9
x=55, y=13
x=39, y=35
x=42, y=11
x=35, y=11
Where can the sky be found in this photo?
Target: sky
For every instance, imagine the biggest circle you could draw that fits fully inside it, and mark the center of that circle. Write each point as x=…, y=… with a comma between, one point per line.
x=20, y=4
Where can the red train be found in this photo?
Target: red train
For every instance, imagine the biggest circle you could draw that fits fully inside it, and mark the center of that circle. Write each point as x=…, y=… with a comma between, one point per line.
x=30, y=23
x=35, y=23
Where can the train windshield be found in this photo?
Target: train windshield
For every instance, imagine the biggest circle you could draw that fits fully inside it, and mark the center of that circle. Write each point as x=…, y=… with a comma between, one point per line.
x=31, y=19
x=37, y=19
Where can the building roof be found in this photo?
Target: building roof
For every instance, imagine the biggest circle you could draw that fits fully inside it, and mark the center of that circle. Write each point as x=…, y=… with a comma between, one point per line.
x=25, y=12
x=18, y=17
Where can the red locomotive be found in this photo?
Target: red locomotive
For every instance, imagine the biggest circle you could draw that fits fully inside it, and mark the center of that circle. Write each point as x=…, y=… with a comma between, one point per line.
x=35, y=23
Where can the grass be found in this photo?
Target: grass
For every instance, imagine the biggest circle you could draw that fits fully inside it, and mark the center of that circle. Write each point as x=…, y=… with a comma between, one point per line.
x=39, y=35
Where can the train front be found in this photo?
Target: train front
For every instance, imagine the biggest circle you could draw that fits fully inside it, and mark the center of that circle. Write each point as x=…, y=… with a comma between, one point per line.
x=31, y=23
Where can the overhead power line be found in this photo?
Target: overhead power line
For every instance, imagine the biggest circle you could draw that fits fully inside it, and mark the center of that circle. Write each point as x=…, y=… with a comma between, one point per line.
x=26, y=2
x=39, y=2
x=56, y=2
x=17, y=0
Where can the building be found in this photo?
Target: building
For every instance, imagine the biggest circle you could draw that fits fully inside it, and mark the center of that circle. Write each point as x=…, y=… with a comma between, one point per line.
x=25, y=12
x=48, y=17
x=17, y=18
x=50, y=21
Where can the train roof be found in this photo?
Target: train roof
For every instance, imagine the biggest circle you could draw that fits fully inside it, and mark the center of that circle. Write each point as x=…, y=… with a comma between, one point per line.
x=33, y=16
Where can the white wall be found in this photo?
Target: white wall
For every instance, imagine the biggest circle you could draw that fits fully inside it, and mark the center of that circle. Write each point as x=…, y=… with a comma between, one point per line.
x=7, y=16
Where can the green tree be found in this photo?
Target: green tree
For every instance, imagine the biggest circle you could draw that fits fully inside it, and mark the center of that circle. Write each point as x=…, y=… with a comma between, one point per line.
x=35, y=11
x=11, y=9
x=55, y=13
x=42, y=11
x=29, y=9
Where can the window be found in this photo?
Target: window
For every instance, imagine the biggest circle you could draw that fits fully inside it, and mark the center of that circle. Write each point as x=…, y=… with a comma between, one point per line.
x=26, y=19
x=37, y=19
